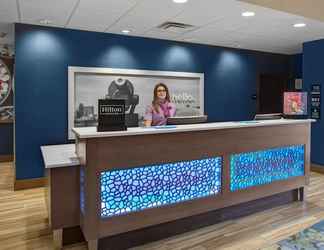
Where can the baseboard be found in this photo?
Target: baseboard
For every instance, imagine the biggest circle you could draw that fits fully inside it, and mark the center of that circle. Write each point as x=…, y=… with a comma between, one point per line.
x=317, y=168
x=29, y=183
x=6, y=158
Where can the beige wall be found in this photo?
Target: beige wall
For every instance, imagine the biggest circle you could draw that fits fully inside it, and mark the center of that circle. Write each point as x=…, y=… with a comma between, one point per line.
x=308, y=8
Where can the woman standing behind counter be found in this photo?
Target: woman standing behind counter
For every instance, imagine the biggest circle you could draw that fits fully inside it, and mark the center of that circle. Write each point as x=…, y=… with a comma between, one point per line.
x=161, y=108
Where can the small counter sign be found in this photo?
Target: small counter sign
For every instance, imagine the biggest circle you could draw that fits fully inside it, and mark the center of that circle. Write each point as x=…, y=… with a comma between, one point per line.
x=112, y=109
x=111, y=115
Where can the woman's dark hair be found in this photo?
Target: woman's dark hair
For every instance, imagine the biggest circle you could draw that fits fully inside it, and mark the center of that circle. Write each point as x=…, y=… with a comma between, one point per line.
x=155, y=101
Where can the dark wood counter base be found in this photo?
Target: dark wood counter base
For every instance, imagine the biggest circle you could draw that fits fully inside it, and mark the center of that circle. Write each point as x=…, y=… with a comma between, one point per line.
x=158, y=232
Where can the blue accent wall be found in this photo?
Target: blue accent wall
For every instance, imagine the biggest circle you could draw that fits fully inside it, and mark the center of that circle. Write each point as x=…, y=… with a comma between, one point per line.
x=43, y=55
x=313, y=73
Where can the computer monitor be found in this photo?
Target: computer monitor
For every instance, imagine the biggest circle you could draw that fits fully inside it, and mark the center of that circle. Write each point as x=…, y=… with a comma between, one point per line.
x=178, y=120
x=273, y=116
x=295, y=105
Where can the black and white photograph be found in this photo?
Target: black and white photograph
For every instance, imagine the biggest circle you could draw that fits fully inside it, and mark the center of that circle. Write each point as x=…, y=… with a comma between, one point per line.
x=137, y=91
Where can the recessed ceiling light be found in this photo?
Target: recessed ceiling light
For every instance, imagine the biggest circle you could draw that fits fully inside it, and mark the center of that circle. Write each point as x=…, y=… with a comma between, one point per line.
x=248, y=14
x=125, y=31
x=299, y=25
x=45, y=21
x=180, y=1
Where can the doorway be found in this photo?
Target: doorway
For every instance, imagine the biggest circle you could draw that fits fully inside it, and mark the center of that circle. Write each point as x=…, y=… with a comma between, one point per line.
x=270, y=89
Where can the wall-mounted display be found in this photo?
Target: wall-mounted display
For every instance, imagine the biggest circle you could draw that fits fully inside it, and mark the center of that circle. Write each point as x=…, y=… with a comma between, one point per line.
x=6, y=89
x=87, y=85
x=316, y=101
x=295, y=103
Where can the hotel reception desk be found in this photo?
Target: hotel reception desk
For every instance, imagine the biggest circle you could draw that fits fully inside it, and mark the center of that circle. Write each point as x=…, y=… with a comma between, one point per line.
x=142, y=177
x=132, y=187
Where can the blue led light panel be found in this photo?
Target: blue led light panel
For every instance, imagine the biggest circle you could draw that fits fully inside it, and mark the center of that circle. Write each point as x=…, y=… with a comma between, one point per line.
x=264, y=167
x=135, y=189
x=82, y=201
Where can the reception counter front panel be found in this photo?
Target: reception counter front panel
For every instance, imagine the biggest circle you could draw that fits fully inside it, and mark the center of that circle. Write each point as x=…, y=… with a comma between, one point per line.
x=135, y=189
x=145, y=177
x=264, y=167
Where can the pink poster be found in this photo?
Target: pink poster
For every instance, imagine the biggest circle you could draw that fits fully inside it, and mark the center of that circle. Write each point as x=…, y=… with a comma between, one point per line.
x=295, y=103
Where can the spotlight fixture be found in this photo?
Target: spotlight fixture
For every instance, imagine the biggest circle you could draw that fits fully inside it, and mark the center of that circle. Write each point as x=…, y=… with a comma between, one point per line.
x=248, y=14
x=180, y=1
x=125, y=31
x=299, y=25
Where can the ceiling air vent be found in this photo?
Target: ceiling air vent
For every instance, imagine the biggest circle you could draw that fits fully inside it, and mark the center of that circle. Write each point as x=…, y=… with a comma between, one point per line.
x=175, y=27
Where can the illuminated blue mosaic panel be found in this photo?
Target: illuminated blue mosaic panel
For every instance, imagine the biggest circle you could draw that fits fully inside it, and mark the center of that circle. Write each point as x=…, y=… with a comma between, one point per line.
x=82, y=189
x=264, y=167
x=130, y=190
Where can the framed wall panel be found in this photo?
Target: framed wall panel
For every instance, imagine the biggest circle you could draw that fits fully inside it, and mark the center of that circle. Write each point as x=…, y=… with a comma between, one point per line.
x=87, y=85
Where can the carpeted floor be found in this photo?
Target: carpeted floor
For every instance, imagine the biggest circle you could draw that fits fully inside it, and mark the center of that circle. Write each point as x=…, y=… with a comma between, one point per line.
x=311, y=238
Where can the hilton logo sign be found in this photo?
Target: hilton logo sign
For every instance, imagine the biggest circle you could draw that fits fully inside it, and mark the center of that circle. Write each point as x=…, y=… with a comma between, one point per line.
x=112, y=109
x=111, y=115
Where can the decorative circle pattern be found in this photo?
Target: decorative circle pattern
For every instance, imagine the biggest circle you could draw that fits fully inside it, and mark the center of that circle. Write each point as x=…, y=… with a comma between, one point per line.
x=5, y=82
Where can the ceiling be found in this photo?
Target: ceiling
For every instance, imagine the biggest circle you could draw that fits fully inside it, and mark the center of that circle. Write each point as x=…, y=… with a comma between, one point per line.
x=217, y=22
x=309, y=8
